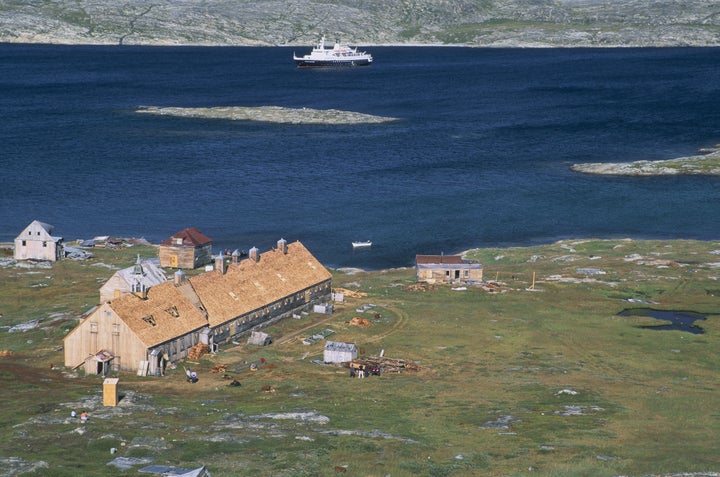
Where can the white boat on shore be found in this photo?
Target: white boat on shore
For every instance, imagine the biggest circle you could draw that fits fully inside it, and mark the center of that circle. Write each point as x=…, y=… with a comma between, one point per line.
x=367, y=243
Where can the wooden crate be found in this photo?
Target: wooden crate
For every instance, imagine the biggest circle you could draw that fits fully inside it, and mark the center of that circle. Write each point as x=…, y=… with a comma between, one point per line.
x=110, y=392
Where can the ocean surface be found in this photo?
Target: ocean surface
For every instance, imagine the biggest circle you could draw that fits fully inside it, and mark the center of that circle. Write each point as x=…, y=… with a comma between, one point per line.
x=479, y=157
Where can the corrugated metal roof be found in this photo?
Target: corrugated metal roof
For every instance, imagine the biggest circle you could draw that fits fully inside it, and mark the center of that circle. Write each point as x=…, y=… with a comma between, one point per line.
x=339, y=346
x=146, y=272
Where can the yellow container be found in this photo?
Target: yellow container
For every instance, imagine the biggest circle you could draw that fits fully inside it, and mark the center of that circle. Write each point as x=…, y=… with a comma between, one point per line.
x=110, y=391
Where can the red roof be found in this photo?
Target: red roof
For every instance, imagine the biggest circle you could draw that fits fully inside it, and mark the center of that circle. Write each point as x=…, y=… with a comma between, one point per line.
x=191, y=237
x=453, y=259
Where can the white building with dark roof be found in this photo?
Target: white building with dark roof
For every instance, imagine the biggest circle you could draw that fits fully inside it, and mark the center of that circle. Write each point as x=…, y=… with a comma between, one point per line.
x=339, y=352
x=36, y=242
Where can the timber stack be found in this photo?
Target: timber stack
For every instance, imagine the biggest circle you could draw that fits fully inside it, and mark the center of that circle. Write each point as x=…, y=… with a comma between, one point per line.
x=386, y=365
x=197, y=351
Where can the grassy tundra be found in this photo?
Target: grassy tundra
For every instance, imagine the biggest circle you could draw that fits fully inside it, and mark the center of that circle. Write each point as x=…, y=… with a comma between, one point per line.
x=537, y=375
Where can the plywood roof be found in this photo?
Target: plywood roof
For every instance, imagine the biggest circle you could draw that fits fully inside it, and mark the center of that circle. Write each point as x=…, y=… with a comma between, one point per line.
x=250, y=285
x=168, y=312
x=164, y=315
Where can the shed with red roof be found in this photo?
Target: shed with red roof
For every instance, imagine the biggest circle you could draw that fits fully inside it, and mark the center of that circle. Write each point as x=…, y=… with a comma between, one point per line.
x=188, y=248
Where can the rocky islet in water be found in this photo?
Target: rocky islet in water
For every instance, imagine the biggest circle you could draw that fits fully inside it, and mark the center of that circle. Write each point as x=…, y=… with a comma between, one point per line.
x=271, y=114
x=703, y=164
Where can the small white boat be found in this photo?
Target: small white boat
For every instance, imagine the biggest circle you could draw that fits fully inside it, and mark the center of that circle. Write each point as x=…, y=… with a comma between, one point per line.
x=367, y=243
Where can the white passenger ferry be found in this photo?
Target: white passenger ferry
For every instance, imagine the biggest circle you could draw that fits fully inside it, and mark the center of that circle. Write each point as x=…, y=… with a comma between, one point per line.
x=339, y=55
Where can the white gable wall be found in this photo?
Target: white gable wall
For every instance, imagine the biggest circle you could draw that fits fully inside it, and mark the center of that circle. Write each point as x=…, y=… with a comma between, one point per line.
x=36, y=243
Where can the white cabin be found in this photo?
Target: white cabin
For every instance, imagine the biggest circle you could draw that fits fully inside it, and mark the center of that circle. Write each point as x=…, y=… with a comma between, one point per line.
x=36, y=242
x=339, y=352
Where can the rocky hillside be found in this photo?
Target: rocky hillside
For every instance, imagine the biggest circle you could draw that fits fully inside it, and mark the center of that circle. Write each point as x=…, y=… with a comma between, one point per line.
x=532, y=23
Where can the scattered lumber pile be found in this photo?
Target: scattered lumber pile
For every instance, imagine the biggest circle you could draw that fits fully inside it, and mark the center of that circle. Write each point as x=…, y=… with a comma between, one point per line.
x=492, y=287
x=5, y=352
x=219, y=368
x=386, y=365
x=420, y=286
x=197, y=351
x=351, y=293
x=357, y=321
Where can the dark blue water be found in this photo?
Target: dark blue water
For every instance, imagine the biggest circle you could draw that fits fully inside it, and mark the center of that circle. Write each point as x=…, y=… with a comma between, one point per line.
x=676, y=320
x=480, y=156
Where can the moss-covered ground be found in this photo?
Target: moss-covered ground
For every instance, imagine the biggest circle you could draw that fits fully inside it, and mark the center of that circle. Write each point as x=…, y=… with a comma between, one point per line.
x=533, y=375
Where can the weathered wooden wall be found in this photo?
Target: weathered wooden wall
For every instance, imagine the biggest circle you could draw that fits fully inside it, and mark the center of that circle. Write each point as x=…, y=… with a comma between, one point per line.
x=103, y=330
x=185, y=257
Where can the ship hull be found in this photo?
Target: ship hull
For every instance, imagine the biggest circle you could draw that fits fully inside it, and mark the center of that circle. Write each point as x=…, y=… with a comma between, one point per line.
x=303, y=63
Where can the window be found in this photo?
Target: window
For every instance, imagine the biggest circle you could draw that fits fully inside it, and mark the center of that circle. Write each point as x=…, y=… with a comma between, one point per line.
x=150, y=319
x=93, y=327
x=116, y=328
x=24, y=243
x=44, y=244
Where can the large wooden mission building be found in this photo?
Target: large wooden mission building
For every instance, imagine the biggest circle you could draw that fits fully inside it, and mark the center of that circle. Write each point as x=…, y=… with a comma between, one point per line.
x=213, y=308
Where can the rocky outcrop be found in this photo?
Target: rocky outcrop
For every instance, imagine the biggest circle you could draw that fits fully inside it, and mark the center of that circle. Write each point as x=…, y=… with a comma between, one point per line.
x=524, y=23
x=707, y=164
x=270, y=114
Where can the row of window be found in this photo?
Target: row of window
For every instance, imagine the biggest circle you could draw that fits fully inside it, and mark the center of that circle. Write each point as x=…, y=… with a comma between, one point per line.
x=24, y=243
x=301, y=296
x=115, y=328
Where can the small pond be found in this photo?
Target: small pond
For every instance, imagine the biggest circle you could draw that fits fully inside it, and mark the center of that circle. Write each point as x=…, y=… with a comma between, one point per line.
x=675, y=320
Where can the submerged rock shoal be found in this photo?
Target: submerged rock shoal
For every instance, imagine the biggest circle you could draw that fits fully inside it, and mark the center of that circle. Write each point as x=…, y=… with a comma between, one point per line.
x=705, y=164
x=271, y=114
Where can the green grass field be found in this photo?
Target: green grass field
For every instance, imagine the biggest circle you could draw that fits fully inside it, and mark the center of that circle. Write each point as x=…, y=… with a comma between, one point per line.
x=537, y=375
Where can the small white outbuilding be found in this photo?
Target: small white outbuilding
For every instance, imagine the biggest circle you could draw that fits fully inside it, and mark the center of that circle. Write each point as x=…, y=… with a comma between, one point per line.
x=339, y=352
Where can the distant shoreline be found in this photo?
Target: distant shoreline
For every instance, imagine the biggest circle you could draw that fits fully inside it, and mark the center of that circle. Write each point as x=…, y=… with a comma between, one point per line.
x=509, y=46
x=349, y=271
